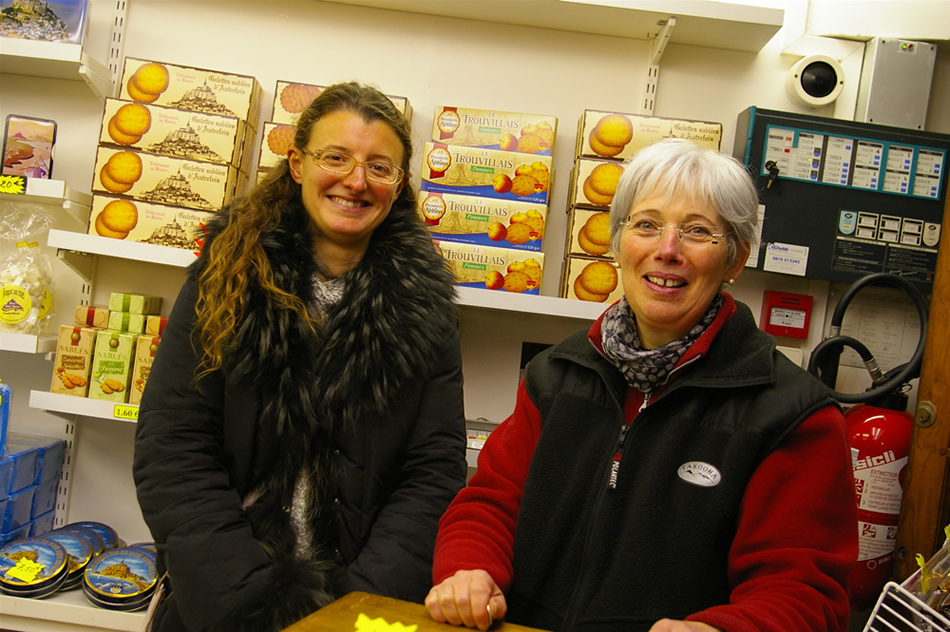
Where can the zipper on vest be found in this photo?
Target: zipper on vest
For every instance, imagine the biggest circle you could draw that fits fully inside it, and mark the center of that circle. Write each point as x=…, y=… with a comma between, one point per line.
x=618, y=453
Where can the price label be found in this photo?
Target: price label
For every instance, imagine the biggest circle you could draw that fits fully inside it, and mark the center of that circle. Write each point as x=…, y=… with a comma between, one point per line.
x=13, y=185
x=126, y=411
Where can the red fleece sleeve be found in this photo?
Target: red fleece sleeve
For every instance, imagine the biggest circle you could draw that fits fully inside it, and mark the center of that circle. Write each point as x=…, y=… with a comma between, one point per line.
x=797, y=536
x=477, y=531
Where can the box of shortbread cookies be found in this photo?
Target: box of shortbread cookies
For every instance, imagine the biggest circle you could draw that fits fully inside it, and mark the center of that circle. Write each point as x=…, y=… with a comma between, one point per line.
x=618, y=135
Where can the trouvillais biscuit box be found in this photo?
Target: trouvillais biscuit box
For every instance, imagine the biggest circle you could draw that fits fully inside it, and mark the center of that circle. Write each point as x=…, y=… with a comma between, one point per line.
x=133, y=220
x=145, y=349
x=588, y=233
x=73, y=362
x=483, y=221
x=619, y=135
x=490, y=173
x=290, y=99
x=155, y=129
x=594, y=280
x=492, y=129
x=112, y=366
x=203, y=186
x=594, y=183
x=187, y=88
x=505, y=269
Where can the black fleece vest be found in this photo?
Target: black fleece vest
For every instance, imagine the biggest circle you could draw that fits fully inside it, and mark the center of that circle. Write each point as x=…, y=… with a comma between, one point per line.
x=612, y=538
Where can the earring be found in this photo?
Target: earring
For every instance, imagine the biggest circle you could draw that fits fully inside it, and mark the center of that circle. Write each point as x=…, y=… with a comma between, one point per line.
x=732, y=281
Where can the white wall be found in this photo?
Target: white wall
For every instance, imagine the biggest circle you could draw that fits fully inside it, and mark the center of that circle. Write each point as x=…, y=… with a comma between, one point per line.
x=430, y=60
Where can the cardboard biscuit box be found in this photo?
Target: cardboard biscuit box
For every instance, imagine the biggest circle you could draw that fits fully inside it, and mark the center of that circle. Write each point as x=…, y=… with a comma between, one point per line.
x=493, y=129
x=91, y=316
x=588, y=233
x=594, y=280
x=145, y=349
x=276, y=140
x=143, y=222
x=127, y=322
x=203, y=186
x=485, y=267
x=112, y=366
x=618, y=135
x=594, y=183
x=292, y=98
x=73, y=362
x=483, y=221
x=486, y=173
x=196, y=89
x=165, y=131
x=135, y=303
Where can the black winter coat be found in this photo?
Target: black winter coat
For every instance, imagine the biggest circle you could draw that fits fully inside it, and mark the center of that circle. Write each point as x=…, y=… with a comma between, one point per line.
x=374, y=406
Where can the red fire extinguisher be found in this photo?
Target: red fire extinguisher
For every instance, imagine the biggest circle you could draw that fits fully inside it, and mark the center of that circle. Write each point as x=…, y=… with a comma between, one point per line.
x=880, y=437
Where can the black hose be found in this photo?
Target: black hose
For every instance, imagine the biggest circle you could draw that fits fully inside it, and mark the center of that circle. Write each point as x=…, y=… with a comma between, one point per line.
x=821, y=365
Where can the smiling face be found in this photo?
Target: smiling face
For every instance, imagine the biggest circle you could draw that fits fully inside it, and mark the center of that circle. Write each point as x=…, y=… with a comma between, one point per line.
x=346, y=208
x=670, y=282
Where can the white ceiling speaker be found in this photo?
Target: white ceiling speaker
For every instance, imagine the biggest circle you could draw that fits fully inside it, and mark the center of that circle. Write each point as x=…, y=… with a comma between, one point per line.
x=815, y=81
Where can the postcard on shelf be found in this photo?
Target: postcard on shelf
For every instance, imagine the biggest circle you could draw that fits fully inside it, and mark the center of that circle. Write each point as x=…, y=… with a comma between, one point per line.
x=28, y=145
x=53, y=21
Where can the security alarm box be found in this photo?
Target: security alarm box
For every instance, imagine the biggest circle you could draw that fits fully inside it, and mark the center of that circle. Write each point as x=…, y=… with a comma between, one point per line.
x=785, y=314
x=842, y=199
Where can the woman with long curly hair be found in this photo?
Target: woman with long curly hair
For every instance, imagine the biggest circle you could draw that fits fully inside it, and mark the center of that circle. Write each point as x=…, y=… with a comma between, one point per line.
x=302, y=428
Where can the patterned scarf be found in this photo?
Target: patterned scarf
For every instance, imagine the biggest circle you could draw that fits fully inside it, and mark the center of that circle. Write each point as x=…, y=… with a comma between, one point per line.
x=646, y=369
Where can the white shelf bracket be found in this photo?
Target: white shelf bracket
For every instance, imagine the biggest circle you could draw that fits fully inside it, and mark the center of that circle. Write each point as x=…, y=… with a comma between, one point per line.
x=648, y=101
x=117, y=43
x=81, y=263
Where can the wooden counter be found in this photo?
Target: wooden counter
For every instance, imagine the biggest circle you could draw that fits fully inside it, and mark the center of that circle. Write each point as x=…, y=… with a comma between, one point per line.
x=341, y=615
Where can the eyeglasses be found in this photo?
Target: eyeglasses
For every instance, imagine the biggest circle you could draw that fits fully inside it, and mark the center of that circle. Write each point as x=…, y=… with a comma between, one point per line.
x=695, y=234
x=337, y=162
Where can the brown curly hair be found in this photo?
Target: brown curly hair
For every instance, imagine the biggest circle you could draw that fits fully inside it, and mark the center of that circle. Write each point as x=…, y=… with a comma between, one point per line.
x=236, y=254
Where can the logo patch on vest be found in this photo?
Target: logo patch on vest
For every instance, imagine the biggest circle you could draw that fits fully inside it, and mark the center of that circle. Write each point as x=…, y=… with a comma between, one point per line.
x=699, y=473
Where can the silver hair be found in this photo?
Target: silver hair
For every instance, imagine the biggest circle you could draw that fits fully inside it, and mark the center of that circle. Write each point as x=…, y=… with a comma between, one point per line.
x=677, y=167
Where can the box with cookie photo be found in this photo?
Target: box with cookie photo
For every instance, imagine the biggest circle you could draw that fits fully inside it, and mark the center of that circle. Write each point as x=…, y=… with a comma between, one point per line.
x=292, y=98
x=276, y=140
x=483, y=221
x=166, y=131
x=494, y=129
x=594, y=280
x=593, y=183
x=112, y=366
x=202, y=186
x=619, y=135
x=72, y=364
x=486, y=267
x=588, y=233
x=132, y=220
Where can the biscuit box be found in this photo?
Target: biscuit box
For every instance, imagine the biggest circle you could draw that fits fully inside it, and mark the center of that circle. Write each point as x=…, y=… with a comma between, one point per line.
x=145, y=349
x=196, y=89
x=588, y=233
x=155, y=325
x=91, y=316
x=73, y=362
x=594, y=183
x=485, y=267
x=135, y=303
x=112, y=366
x=490, y=173
x=143, y=222
x=483, y=221
x=165, y=131
x=127, y=321
x=491, y=129
x=290, y=99
x=203, y=186
x=276, y=139
x=619, y=135
x=594, y=280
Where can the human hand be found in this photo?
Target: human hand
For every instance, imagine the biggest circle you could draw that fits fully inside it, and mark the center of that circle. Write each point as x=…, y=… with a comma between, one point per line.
x=469, y=598
x=669, y=625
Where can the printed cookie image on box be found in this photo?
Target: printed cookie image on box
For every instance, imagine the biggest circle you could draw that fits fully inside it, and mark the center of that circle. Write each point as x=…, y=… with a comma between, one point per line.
x=196, y=89
x=167, y=131
x=143, y=222
x=483, y=221
x=594, y=183
x=485, y=267
x=618, y=135
x=588, y=233
x=276, y=140
x=203, y=186
x=594, y=280
x=492, y=129
x=290, y=99
x=486, y=173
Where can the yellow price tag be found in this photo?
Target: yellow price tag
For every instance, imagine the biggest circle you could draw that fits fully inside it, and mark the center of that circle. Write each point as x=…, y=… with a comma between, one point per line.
x=13, y=185
x=25, y=570
x=126, y=411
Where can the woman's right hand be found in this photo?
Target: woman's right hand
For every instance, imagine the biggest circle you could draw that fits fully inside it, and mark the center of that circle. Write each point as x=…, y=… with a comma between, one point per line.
x=469, y=598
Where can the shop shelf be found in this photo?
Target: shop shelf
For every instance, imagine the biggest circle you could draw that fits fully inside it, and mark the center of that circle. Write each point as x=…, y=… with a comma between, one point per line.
x=83, y=406
x=26, y=343
x=64, y=611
